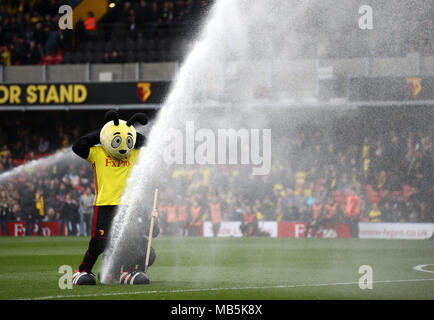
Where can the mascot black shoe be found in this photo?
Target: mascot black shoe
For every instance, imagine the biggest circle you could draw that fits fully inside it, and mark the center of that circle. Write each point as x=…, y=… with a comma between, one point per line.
x=133, y=278
x=83, y=278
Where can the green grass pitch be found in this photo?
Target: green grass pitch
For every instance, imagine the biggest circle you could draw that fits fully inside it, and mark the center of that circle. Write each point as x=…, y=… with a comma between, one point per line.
x=229, y=269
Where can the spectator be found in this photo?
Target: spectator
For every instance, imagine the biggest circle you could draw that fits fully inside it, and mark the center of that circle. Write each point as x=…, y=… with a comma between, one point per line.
x=300, y=198
x=195, y=221
x=53, y=42
x=386, y=210
x=291, y=212
x=168, y=12
x=375, y=213
x=154, y=14
x=86, y=212
x=125, y=11
x=52, y=215
x=39, y=35
x=80, y=32
x=5, y=208
x=6, y=56
x=143, y=11
x=331, y=215
x=131, y=25
x=33, y=56
x=180, y=11
x=17, y=213
x=249, y=222
x=40, y=207
x=66, y=39
x=90, y=26
x=216, y=214
x=29, y=208
x=182, y=215
x=106, y=58
x=115, y=57
x=352, y=212
x=69, y=215
x=316, y=217
x=43, y=145
x=171, y=218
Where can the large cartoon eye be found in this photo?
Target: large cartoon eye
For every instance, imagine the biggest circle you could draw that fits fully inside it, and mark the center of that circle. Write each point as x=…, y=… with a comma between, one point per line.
x=116, y=142
x=130, y=142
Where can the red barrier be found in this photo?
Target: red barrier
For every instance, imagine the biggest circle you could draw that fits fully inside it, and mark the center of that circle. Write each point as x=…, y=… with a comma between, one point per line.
x=49, y=228
x=297, y=229
x=291, y=229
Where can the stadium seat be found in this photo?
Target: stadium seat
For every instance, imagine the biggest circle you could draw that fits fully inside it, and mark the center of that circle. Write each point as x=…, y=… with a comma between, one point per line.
x=174, y=55
x=109, y=46
x=174, y=44
x=88, y=57
x=78, y=57
x=162, y=33
x=172, y=33
x=67, y=57
x=152, y=56
x=407, y=191
x=119, y=45
x=58, y=58
x=140, y=45
x=163, y=44
x=163, y=56
x=130, y=45
x=150, y=44
x=98, y=57
x=88, y=47
x=142, y=56
x=98, y=47
x=131, y=56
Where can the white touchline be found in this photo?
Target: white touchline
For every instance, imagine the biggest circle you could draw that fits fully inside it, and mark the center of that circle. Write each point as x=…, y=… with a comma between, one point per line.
x=283, y=286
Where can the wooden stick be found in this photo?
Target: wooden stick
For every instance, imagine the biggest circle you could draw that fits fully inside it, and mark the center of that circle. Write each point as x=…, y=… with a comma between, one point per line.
x=151, y=229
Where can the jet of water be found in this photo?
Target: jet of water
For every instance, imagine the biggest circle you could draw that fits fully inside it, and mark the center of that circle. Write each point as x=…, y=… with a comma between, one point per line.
x=59, y=157
x=234, y=33
x=248, y=50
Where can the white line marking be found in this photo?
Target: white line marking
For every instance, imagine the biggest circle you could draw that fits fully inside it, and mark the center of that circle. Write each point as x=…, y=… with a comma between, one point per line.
x=422, y=266
x=216, y=289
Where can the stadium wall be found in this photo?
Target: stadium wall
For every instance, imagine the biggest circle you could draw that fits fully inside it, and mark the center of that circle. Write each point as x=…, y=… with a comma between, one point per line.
x=88, y=72
x=165, y=71
x=274, y=229
x=328, y=79
x=296, y=229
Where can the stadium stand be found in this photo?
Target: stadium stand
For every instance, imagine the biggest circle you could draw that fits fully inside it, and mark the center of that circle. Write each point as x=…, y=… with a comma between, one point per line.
x=140, y=31
x=152, y=31
x=397, y=181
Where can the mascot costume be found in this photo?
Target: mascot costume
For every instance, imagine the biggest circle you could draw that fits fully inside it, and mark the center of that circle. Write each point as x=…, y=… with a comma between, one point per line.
x=112, y=152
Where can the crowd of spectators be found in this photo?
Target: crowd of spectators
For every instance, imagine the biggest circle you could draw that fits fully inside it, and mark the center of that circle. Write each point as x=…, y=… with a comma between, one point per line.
x=371, y=172
x=399, y=28
x=156, y=31
x=30, y=32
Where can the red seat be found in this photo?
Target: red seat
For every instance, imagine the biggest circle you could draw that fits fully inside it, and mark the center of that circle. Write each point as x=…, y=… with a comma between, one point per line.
x=407, y=191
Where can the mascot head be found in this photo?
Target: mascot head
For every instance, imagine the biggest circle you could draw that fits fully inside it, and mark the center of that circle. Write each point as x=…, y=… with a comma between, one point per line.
x=118, y=137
